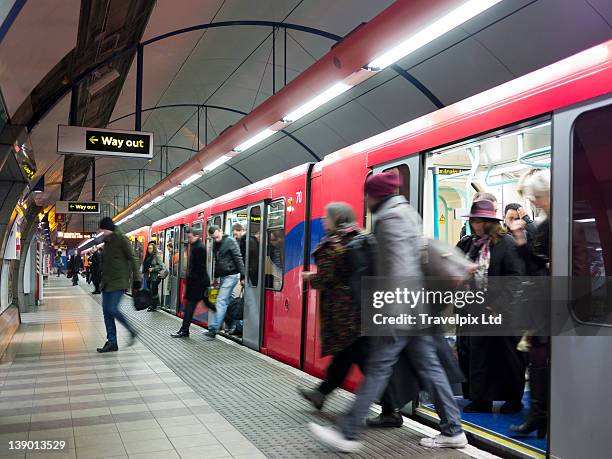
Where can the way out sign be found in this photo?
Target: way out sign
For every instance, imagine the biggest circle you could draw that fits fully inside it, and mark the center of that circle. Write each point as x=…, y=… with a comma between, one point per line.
x=106, y=142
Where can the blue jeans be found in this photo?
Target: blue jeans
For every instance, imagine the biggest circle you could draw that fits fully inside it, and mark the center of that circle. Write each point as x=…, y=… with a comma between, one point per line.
x=110, y=308
x=227, y=284
x=383, y=353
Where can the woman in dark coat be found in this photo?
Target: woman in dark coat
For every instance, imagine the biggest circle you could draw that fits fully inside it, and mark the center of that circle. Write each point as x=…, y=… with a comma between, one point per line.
x=151, y=267
x=494, y=368
x=339, y=310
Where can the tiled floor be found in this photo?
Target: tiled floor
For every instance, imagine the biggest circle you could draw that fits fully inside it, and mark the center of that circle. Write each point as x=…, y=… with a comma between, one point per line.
x=54, y=386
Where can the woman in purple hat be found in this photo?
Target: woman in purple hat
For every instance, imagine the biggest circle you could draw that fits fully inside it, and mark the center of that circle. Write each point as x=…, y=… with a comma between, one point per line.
x=495, y=370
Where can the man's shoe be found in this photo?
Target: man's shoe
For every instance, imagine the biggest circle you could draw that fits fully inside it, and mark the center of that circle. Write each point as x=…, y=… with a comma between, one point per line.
x=151, y=309
x=108, y=347
x=96, y=292
x=393, y=419
x=236, y=333
x=131, y=339
x=442, y=441
x=315, y=397
x=511, y=408
x=210, y=334
x=180, y=335
x=333, y=439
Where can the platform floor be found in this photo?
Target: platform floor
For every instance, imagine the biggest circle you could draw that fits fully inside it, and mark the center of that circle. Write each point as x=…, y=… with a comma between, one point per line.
x=162, y=397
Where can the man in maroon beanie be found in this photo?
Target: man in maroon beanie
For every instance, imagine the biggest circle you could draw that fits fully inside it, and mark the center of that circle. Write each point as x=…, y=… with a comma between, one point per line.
x=397, y=228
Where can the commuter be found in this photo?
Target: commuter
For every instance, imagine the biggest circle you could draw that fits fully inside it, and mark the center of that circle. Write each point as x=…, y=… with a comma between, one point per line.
x=96, y=270
x=397, y=228
x=494, y=368
x=339, y=310
x=86, y=268
x=151, y=267
x=514, y=212
x=196, y=292
x=478, y=196
x=239, y=234
x=535, y=186
x=117, y=264
x=229, y=269
x=74, y=267
x=58, y=264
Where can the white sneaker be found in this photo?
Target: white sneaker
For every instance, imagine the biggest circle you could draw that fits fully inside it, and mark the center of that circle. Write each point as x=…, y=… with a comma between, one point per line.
x=443, y=441
x=333, y=439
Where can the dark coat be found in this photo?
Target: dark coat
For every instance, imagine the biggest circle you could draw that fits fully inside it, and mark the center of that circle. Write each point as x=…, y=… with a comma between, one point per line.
x=118, y=263
x=197, y=277
x=253, y=268
x=339, y=313
x=495, y=369
x=96, y=266
x=536, y=253
x=154, y=262
x=228, y=259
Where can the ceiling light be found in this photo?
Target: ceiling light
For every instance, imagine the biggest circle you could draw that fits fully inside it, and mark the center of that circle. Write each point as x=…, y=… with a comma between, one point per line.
x=137, y=211
x=191, y=179
x=317, y=101
x=254, y=140
x=146, y=206
x=448, y=22
x=216, y=163
x=585, y=220
x=102, y=81
x=172, y=190
x=157, y=199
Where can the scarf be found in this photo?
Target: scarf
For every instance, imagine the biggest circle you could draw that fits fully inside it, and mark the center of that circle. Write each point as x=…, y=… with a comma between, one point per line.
x=480, y=253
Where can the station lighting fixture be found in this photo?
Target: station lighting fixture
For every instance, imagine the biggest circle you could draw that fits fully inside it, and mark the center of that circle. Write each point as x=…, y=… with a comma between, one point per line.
x=146, y=206
x=172, y=190
x=157, y=199
x=254, y=140
x=137, y=211
x=317, y=101
x=191, y=179
x=443, y=25
x=217, y=162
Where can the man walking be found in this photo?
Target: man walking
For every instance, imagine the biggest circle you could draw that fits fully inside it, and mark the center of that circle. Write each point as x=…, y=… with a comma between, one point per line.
x=397, y=228
x=198, y=281
x=229, y=269
x=96, y=270
x=118, y=263
x=58, y=263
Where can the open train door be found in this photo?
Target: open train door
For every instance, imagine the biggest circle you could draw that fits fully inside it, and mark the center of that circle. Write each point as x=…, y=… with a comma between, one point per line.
x=252, y=334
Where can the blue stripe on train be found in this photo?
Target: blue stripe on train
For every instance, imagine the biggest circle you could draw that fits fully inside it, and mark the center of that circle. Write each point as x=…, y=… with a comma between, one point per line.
x=294, y=243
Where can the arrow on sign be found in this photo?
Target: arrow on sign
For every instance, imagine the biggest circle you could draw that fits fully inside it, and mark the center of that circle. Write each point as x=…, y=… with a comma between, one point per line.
x=93, y=139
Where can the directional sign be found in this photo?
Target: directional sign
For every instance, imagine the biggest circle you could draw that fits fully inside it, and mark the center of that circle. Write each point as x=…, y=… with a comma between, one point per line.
x=76, y=207
x=452, y=170
x=107, y=142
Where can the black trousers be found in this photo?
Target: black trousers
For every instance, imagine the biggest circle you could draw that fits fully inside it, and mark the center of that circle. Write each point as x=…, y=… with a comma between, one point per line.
x=341, y=363
x=188, y=316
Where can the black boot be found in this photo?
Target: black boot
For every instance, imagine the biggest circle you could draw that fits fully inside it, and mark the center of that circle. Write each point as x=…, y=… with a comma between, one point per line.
x=313, y=396
x=388, y=418
x=536, y=418
x=108, y=347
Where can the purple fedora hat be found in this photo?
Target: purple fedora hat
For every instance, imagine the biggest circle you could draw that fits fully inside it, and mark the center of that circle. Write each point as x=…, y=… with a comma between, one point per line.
x=483, y=209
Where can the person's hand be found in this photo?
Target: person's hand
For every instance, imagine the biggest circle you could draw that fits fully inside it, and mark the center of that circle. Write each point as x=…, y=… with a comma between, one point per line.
x=215, y=283
x=517, y=228
x=307, y=275
x=242, y=282
x=521, y=212
x=150, y=270
x=472, y=268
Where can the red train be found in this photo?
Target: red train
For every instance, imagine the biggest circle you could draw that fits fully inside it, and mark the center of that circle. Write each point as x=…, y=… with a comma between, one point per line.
x=481, y=143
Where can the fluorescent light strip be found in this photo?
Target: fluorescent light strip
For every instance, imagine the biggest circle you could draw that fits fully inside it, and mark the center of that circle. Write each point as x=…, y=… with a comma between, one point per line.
x=317, y=101
x=157, y=199
x=216, y=163
x=585, y=220
x=172, y=190
x=254, y=140
x=146, y=206
x=443, y=25
x=191, y=179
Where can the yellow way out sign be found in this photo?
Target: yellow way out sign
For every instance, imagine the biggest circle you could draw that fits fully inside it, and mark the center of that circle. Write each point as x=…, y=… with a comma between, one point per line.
x=107, y=142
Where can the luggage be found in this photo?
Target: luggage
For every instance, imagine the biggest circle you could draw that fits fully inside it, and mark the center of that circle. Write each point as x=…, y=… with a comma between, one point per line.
x=235, y=310
x=444, y=266
x=142, y=299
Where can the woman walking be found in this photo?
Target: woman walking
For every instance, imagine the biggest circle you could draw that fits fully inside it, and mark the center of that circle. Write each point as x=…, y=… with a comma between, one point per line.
x=339, y=309
x=151, y=267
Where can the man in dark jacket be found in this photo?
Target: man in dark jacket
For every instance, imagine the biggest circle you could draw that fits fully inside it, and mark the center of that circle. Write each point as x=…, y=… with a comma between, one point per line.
x=198, y=281
x=229, y=269
x=74, y=267
x=397, y=228
x=95, y=264
x=118, y=263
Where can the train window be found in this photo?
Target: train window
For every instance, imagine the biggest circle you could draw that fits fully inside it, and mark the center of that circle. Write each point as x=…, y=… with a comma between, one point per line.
x=275, y=250
x=404, y=172
x=592, y=217
x=492, y=164
x=235, y=216
x=254, y=236
x=217, y=221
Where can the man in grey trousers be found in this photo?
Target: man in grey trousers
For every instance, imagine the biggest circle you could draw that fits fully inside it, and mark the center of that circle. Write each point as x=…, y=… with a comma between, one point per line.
x=397, y=228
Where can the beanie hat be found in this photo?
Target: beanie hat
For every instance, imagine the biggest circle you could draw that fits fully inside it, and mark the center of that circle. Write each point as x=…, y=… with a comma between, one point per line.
x=107, y=224
x=380, y=186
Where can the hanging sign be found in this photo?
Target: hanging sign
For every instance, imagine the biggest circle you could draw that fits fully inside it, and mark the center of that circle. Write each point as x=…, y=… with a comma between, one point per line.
x=105, y=142
x=77, y=207
x=451, y=170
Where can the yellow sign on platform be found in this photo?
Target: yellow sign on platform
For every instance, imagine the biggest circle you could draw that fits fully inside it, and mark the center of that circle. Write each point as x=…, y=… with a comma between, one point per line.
x=442, y=219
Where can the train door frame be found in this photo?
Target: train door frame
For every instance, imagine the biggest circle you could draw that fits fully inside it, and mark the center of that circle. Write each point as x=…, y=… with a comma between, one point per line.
x=254, y=296
x=578, y=351
x=210, y=258
x=415, y=166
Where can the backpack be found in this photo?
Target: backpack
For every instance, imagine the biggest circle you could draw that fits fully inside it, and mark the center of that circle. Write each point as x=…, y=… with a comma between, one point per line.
x=443, y=266
x=361, y=256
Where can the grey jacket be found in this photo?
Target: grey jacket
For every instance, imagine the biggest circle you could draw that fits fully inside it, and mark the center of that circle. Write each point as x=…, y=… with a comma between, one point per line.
x=398, y=232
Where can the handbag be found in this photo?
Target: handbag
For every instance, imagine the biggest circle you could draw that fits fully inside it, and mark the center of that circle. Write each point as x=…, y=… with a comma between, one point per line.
x=444, y=265
x=163, y=273
x=142, y=299
x=212, y=294
x=235, y=310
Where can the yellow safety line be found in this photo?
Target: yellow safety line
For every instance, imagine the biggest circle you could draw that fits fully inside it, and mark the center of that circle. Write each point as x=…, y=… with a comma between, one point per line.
x=490, y=436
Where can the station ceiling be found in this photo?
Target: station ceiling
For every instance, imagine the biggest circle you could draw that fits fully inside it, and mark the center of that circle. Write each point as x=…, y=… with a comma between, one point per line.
x=231, y=67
